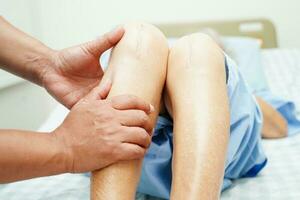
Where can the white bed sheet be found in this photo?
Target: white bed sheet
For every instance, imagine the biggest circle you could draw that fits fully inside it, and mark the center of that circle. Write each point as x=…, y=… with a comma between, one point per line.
x=279, y=180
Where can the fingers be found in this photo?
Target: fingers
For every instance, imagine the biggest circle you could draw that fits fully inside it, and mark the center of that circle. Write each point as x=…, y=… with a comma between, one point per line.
x=115, y=35
x=105, y=42
x=137, y=136
x=94, y=94
x=105, y=88
x=128, y=102
x=135, y=118
x=131, y=152
x=98, y=92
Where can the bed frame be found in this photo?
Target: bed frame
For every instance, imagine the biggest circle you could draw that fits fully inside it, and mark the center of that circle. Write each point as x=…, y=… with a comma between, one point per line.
x=262, y=29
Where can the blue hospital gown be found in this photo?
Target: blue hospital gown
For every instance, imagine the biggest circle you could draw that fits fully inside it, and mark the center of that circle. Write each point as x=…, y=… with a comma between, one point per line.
x=285, y=107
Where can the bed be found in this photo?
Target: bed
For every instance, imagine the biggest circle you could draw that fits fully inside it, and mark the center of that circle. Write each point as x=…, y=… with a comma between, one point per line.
x=279, y=180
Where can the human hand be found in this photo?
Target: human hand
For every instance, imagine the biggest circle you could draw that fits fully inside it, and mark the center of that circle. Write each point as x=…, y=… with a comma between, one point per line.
x=97, y=133
x=75, y=71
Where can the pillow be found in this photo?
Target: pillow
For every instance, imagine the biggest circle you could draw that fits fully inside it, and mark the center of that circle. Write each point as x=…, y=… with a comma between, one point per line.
x=246, y=52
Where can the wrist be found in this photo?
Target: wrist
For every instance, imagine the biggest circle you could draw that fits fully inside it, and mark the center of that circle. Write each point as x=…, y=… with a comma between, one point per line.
x=63, y=151
x=39, y=62
x=45, y=64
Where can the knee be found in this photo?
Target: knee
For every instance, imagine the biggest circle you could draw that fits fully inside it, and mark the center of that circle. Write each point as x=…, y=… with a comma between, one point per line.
x=194, y=48
x=140, y=38
x=196, y=41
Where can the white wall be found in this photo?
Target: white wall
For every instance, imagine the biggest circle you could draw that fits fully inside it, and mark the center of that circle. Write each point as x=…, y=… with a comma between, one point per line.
x=24, y=106
x=22, y=14
x=61, y=23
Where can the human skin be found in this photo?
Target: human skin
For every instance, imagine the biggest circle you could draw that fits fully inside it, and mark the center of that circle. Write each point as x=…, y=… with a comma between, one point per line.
x=197, y=99
x=137, y=66
x=274, y=125
x=68, y=74
x=96, y=132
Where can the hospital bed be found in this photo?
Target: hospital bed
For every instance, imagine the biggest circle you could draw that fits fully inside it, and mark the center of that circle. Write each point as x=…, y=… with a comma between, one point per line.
x=281, y=177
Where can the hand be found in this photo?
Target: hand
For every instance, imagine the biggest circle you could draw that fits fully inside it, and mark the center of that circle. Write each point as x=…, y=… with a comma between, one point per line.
x=97, y=133
x=75, y=71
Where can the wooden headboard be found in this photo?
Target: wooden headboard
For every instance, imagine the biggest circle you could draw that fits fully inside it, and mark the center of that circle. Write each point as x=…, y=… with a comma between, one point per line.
x=258, y=28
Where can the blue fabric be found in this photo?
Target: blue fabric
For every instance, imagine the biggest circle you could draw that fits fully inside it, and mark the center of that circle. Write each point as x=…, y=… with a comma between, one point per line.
x=285, y=107
x=245, y=157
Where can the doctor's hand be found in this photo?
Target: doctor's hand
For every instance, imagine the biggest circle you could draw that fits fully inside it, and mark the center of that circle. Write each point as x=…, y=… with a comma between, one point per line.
x=97, y=133
x=74, y=71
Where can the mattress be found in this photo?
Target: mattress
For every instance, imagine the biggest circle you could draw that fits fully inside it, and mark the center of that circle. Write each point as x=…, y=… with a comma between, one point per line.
x=279, y=180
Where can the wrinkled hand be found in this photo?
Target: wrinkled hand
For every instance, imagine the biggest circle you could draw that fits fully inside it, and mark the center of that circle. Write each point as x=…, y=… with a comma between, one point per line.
x=97, y=133
x=75, y=71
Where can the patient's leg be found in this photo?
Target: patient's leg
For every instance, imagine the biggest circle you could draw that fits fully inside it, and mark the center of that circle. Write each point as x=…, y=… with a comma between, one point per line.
x=137, y=67
x=274, y=124
x=197, y=99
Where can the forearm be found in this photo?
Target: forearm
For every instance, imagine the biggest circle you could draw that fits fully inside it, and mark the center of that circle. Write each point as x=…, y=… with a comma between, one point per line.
x=21, y=54
x=27, y=154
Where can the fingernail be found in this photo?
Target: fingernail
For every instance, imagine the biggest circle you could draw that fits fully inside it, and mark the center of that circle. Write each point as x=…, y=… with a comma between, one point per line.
x=112, y=31
x=151, y=132
x=105, y=83
x=104, y=88
x=152, y=109
x=116, y=29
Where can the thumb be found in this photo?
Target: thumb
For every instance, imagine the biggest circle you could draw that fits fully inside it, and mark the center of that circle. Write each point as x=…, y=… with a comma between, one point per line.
x=99, y=92
x=105, y=88
x=104, y=42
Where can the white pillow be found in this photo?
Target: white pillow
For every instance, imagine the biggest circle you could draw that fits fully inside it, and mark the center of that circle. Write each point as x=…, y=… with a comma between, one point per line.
x=247, y=53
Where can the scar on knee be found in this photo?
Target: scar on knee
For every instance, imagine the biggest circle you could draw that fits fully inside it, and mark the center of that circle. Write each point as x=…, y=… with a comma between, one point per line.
x=143, y=39
x=190, y=52
x=139, y=42
x=199, y=47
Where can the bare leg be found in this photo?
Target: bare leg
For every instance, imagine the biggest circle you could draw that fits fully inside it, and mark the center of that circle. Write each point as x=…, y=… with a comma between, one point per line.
x=137, y=67
x=274, y=124
x=197, y=99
